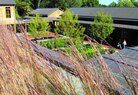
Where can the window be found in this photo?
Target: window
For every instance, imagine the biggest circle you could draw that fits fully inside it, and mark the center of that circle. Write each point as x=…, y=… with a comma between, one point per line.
x=8, y=12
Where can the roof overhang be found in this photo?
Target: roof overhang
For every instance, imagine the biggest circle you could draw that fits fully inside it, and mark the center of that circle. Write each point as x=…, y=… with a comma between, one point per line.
x=7, y=4
x=114, y=18
x=42, y=15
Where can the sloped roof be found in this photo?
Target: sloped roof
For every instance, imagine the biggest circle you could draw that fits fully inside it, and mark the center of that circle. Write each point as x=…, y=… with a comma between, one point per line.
x=7, y=2
x=125, y=62
x=130, y=54
x=122, y=63
x=115, y=12
x=115, y=25
x=44, y=11
x=127, y=57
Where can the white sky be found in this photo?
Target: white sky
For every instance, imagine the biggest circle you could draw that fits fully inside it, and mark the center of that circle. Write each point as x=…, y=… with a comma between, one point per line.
x=107, y=2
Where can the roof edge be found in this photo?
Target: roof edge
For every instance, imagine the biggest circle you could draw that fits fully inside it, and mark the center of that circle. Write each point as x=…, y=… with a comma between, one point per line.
x=7, y=4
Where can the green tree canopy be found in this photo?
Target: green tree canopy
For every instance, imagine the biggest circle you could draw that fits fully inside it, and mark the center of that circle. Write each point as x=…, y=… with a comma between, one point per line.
x=135, y=2
x=113, y=4
x=23, y=8
x=90, y=3
x=64, y=4
x=125, y=3
x=69, y=26
x=38, y=27
x=102, y=26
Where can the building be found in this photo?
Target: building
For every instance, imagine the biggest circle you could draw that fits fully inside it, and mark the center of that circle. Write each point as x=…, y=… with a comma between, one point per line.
x=122, y=63
x=50, y=14
x=46, y=12
x=118, y=13
x=125, y=22
x=7, y=12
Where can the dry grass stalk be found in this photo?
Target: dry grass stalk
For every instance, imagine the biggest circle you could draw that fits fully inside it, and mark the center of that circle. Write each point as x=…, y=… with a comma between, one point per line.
x=23, y=72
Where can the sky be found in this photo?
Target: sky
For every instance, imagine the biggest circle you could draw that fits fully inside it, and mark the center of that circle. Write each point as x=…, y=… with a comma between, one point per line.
x=107, y=2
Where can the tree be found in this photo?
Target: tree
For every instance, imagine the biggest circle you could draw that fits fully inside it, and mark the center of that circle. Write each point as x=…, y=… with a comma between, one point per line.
x=43, y=3
x=90, y=3
x=93, y=3
x=102, y=26
x=69, y=26
x=38, y=27
x=113, y=4
x=128, y=3
x=120, y=3
x=102, y=5
x=22, y=7
x=135, y=3
x=125, y=3
x=64, y=4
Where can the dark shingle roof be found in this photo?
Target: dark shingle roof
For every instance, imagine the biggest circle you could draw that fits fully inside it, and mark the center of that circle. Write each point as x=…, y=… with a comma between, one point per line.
x=44, y=11
x=115, y=25
x=126, y=58
x=115, y=12
x=7, y=2
x=124, y=63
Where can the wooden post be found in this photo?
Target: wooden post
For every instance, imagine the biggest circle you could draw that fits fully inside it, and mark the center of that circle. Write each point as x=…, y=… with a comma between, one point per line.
x=14, y=27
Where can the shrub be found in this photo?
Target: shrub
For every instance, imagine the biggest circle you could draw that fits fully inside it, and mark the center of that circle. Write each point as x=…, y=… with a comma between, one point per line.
x=38, y=27
x=102, y=26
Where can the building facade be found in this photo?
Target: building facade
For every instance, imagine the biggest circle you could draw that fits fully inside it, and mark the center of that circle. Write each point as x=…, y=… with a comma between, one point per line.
x=47, y=12
x=7, y=12
x=125, y=22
